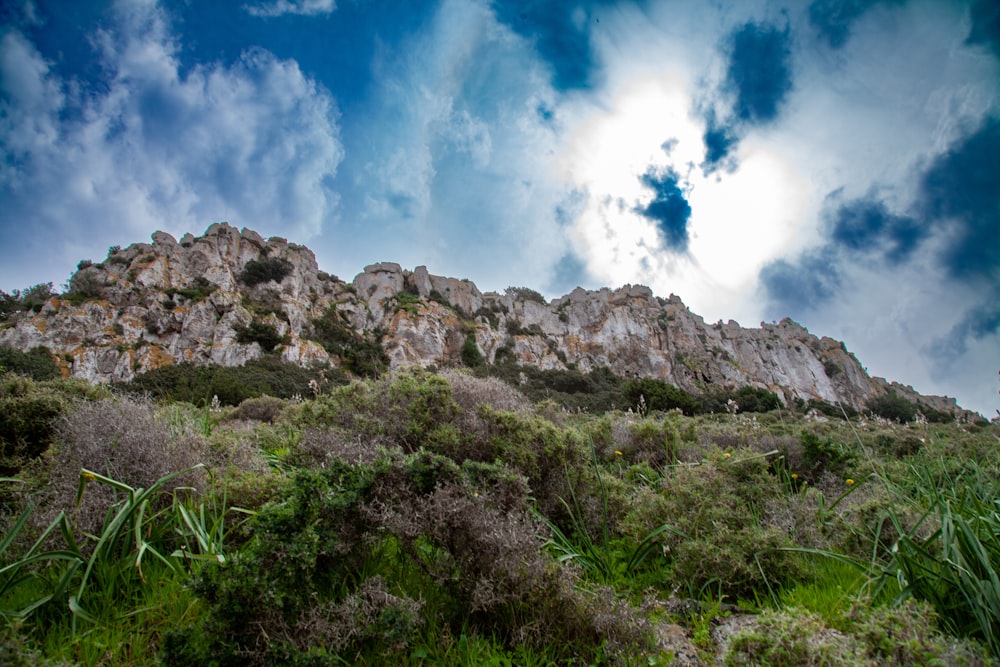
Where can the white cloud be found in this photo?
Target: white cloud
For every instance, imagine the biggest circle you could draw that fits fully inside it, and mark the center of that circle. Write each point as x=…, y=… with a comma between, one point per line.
x=458, y=169
x=300, y=7
x=256, y=142
x=30, y=103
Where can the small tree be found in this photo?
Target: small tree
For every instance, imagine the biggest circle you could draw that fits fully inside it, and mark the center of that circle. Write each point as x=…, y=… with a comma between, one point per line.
x=262, y=333
x=258, y=271
x=471, y=356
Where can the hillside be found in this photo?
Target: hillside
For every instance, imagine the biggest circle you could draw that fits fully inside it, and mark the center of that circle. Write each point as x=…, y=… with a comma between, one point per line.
x=230, y=296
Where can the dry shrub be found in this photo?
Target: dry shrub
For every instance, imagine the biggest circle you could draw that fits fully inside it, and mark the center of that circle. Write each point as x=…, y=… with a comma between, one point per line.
x=119, y=438
x=260, y=409
x=370, y=615
x=491, y=563
x=319, y=445
x=470, y=392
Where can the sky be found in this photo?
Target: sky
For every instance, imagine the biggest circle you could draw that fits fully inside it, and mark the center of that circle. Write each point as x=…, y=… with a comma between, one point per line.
x=836, y=162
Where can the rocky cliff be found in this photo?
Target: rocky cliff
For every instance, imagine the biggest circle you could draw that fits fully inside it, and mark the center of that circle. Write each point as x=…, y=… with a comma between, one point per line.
x=194, y=300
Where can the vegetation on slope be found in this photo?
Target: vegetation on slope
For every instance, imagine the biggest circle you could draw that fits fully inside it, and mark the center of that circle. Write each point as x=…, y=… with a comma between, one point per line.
x=443, y=518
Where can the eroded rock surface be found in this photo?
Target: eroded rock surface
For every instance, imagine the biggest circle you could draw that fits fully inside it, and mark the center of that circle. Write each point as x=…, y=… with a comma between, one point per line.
x=167, y=301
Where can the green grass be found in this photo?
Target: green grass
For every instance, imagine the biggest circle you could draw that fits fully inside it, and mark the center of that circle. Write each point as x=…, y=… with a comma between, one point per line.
x=720, y=509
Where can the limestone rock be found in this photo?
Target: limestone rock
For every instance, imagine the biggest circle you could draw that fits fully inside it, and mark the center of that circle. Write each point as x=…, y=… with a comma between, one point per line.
x=167, y=302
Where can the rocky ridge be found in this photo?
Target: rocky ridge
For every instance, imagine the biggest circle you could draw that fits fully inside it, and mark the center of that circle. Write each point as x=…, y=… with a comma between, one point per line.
x=170, y=301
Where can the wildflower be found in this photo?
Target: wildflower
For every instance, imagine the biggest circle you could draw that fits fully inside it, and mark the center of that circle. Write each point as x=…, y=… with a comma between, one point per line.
x=727, y=455
x=795, y=475
x=849, y=482
x=618, y=452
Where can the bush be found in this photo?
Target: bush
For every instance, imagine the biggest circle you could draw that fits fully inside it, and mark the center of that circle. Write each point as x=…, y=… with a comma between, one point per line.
x=594, y=392
x=525, y=294
x=719, y=537
x=471, y=356
x=29, y=300
x=361, y=356
x=85, y=285
x=28, y=415
x=36, y=364
x=658, y=395
x=756, y=399
x=893, y=407
x=261, y=409
x=263, y=333
x=402, y=409
x=191, y=383
x=199, y=289
x=119, y=438
x=258, y=271
x=357, y=558
x=792, y=638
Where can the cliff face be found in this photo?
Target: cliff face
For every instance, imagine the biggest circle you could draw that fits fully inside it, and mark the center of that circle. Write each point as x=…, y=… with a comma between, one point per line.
x=155, y=304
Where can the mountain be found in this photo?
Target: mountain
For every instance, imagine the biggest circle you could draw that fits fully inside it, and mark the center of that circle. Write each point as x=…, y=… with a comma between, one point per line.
x=230, y=296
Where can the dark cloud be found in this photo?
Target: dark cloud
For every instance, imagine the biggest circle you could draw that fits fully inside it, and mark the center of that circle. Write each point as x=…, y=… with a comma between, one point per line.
x=962, y=187
x=720, y=141
x=805, y=284
x=569, y=273
x=758, y=81
x=669, y=208
x=978, y=323
x=866, y=226
x=561, y=34
x=958, y=199
x=833, y=19
x=759, y=71
x=985, y=16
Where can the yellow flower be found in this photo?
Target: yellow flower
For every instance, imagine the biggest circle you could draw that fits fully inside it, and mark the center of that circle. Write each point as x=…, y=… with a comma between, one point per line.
x=618, y=452
x=727, y=455
x=795, y=475
x=849, y=482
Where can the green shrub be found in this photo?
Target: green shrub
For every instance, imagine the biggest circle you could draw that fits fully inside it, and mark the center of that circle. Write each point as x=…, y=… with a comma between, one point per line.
x=36, y=363
x=196, y=384
x=893, y=407
x=28, y=415
x=525, y=294
x=471, y=356
x=756, y=399
x=362, y=356
x=261, y=409
x=85, y=285
x=408, y=301
x=357, y=559
x=720, y=537
x=658, y=395
x=595, y=392
x=29, y=300
x=402, y=409
x=199, y=289
x=792, y=638
x=258, y=271
x=824, y=452
x=263, y=333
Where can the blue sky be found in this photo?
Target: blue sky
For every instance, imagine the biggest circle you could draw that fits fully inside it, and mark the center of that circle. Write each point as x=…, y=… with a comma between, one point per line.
x=835, y=162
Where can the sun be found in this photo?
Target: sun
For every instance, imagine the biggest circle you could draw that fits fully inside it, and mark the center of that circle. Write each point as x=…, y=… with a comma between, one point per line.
x=739, y=220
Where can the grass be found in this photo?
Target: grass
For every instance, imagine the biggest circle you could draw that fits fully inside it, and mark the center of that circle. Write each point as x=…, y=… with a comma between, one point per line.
x=372, y=547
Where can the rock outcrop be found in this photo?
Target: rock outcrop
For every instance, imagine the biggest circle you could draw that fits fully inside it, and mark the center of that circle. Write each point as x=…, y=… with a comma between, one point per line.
x=167, y=302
